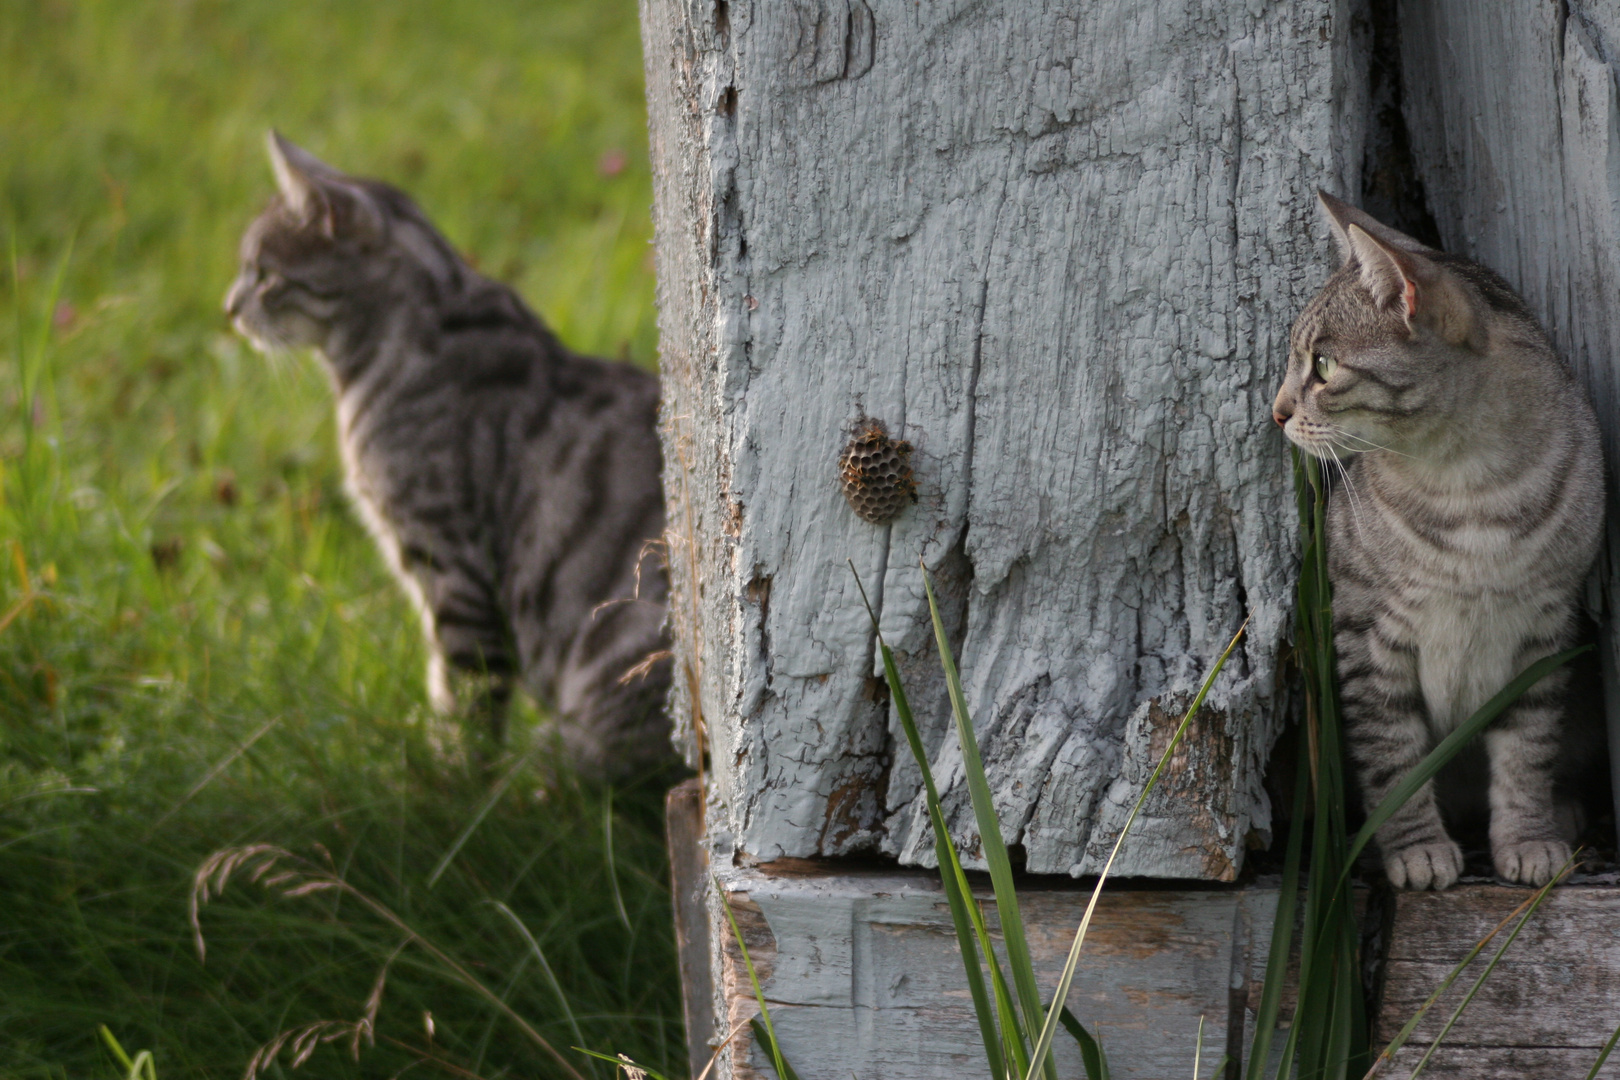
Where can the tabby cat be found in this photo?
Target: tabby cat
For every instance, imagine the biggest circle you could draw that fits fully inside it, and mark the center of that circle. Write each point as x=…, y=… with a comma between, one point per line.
x=1459, y=536
x=512, y=486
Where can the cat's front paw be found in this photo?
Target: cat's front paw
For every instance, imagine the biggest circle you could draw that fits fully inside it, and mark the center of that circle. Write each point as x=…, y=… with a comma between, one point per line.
x=1424, y=866
x=1530, y=862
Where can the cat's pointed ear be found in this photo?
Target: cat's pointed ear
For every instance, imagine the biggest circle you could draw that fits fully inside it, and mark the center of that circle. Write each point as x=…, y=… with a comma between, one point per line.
x=1341, y=215
x=1390, y=275
x=1338, y=221
x=297, y=173
x=1418, y=289
x=315, y=192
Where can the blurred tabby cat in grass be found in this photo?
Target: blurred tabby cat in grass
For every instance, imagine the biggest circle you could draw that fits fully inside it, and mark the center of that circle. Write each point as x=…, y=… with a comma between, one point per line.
x=1459, y=536
x=512, y=486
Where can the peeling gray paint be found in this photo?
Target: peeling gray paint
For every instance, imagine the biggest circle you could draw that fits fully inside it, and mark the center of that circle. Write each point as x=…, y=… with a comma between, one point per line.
x=1058, y=249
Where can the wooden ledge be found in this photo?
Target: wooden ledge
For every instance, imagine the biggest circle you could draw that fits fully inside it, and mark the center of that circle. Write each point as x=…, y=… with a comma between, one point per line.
x=861, y=968
x=863, y=976
x=1545, y=1011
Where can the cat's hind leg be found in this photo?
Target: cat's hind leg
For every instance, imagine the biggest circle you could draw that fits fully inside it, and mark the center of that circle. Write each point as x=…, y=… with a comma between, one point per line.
x=484, y=697
x=440, y=695
x=470, y=670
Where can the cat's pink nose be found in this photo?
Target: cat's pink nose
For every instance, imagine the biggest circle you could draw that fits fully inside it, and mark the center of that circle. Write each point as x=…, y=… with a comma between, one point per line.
x=1281, y=418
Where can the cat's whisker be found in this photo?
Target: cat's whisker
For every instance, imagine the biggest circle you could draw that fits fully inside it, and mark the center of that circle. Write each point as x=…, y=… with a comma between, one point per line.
x=1349, y=487
x=1340, y=434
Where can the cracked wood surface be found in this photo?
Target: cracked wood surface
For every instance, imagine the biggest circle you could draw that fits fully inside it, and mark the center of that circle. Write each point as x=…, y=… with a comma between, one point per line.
x=1057, y=248
x=1545, y=1011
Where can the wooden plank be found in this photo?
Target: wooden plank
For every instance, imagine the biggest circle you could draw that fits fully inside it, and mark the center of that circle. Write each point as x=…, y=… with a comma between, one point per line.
x=1506, y=1063
x=863, y=975
x=689, y=891
x=1058, y=248
x=1549, y=1005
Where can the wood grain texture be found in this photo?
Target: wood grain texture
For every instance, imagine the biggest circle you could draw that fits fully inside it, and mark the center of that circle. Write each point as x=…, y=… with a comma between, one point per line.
x=1057, y=248
x=863, y=977
x=1505, y=1063
x=1544, y=1012
x=1515, y=130
x=689, y=891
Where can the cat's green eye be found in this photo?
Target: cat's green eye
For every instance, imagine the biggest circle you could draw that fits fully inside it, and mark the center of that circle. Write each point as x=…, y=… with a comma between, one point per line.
x=1325, y=366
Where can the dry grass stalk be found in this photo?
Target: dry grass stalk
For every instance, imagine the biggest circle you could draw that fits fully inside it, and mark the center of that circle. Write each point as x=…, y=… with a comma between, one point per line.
x=292, y=876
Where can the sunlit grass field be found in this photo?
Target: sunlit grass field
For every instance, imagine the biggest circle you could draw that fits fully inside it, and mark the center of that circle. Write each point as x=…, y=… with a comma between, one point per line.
x=198, y=646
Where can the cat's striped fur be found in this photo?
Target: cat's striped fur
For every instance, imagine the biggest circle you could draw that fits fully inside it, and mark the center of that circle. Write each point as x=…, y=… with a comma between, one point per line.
x=1459, y=536
x=512, y=486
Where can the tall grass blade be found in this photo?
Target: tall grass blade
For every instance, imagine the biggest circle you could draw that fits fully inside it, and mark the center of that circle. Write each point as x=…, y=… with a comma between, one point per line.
x=767, y=1033
x=490, y=802
x=1541, y=894
x=1282, y=930
x=141, y=1066
x=612, y=864
x=1010, y=1046
x=1328, y=1037
x=1329, y=988
x=545, y=966
x=1043, y=1045
x=990, y=842
x=33, y=363
x=1328, y=1030
x=767, y=1037
x=1091, y=1051
x=957, y=894
x=295, y=877
x=212, y=774
x=973, y=936
x=1014, y=1041
x=1603, y=1055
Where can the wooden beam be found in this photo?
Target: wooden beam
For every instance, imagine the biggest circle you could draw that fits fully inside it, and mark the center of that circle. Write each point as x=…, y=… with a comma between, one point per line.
x=689, y=890
x=863, y=975
x=1057, y=248
x=1546, y=1009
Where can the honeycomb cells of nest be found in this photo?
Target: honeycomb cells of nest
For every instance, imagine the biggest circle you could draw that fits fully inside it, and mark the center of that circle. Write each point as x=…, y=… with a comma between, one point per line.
x=875, y=473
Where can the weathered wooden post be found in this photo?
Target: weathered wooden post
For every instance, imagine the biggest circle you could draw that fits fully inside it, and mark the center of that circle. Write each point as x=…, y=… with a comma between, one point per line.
x=1057, y=248
x=1059, y=254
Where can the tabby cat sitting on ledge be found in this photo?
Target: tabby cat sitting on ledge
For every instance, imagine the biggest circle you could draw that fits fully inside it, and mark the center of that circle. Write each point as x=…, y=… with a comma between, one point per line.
x=512, y=486
x=1459, y=536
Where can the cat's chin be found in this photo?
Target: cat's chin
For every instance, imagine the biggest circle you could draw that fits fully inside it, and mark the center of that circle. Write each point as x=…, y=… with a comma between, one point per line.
x=264, y=344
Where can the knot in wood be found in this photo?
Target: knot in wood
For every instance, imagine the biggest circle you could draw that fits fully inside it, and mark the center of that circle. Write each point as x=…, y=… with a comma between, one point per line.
x=875, y=473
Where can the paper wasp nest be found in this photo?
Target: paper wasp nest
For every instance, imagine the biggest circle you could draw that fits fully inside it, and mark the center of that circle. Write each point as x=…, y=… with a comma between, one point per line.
x=875, y=473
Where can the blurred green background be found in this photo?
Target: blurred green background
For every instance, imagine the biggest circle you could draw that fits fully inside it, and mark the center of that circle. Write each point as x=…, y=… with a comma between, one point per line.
x=198, y=645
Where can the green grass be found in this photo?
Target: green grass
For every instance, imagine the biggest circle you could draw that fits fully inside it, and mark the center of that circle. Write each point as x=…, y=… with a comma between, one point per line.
x=198, y=645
